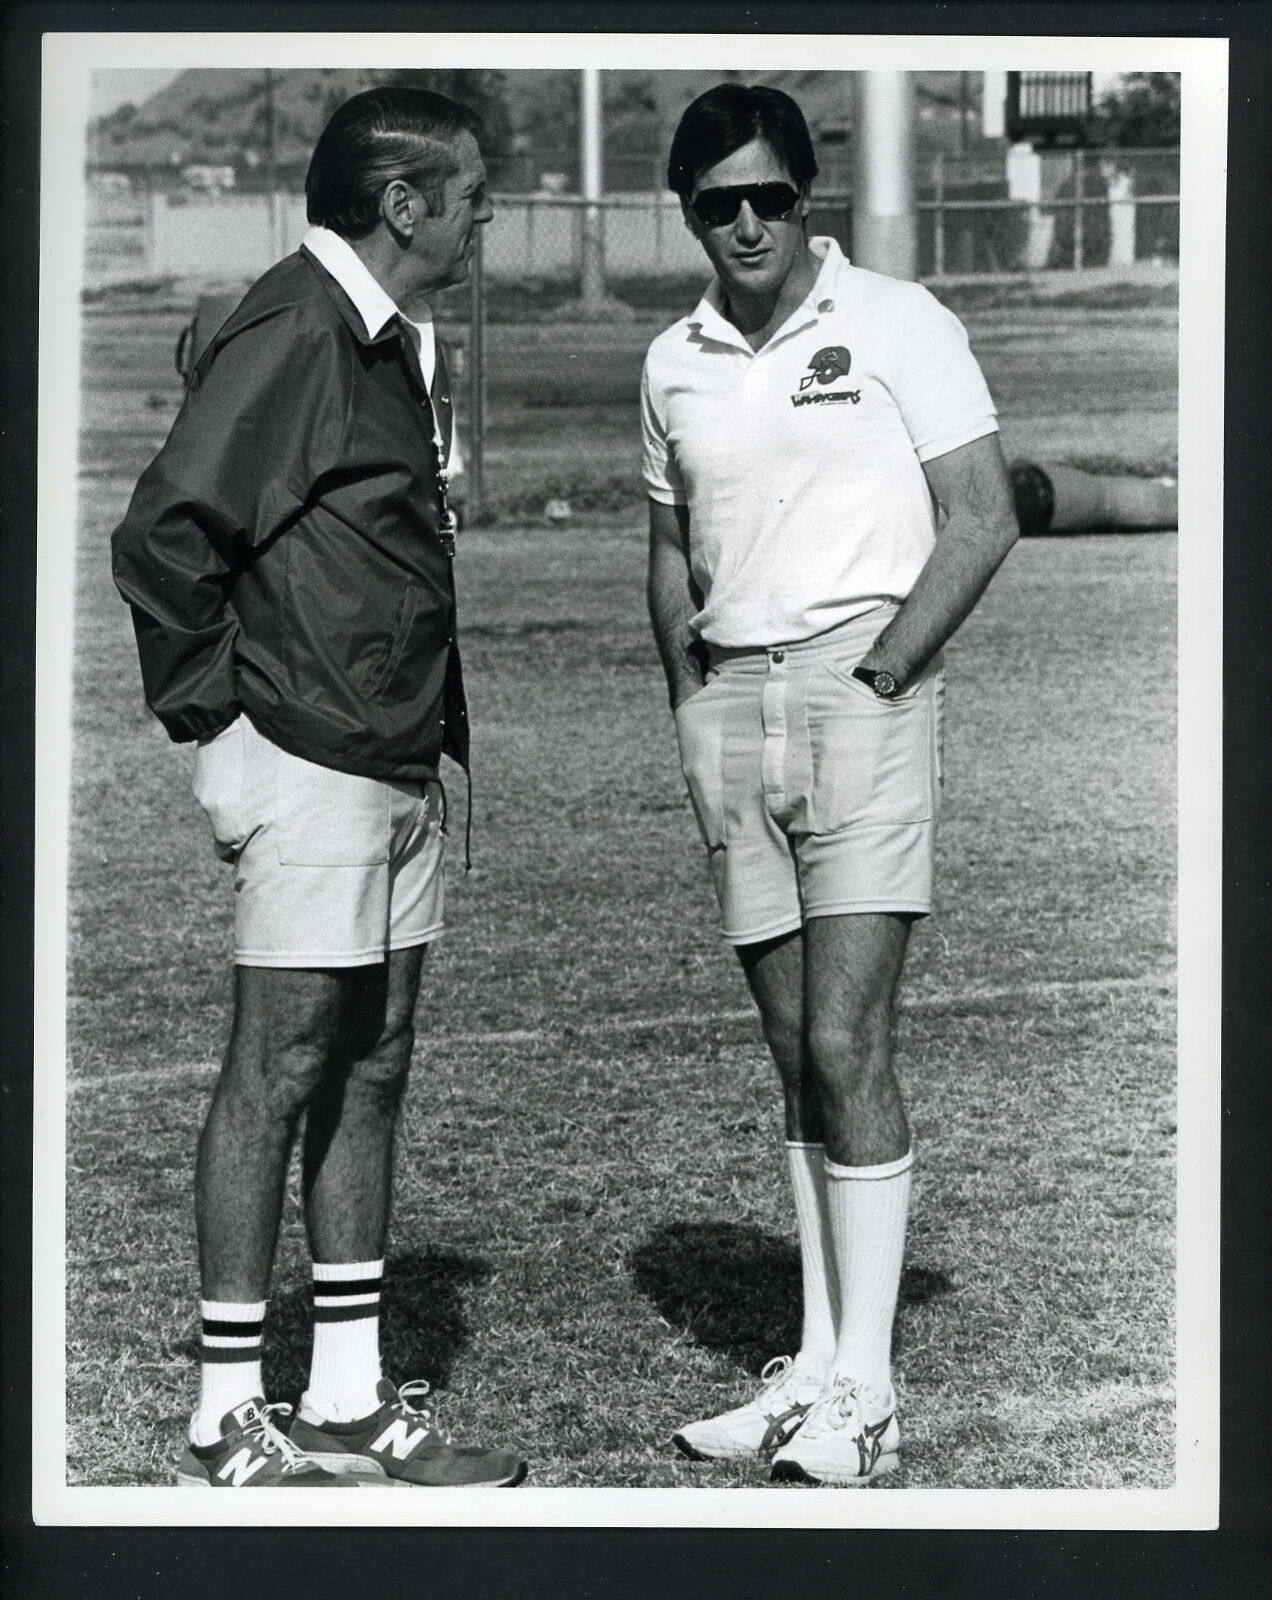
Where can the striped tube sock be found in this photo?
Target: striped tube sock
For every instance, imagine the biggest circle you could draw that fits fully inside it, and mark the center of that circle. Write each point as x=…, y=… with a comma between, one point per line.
x=229, y=1363
x=817, y=1262
x=345, y=1368
x=868, y=1210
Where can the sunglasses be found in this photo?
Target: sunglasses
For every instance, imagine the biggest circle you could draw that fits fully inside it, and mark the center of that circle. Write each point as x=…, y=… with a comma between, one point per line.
x=718, y=208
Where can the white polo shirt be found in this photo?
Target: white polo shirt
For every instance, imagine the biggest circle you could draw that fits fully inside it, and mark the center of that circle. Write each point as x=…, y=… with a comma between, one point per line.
x=801, y=462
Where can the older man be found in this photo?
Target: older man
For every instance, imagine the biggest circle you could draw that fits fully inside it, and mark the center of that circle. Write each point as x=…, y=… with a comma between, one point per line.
x=800, y=428
x=287, y=558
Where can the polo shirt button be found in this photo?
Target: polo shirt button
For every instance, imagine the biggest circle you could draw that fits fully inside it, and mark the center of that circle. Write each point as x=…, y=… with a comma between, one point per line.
x=779, y=655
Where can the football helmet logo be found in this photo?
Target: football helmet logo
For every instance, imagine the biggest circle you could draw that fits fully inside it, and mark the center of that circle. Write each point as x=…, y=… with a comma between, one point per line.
x=831, y=362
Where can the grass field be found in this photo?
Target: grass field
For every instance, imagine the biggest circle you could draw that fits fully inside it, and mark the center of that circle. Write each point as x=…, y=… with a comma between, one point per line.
x=592, y=1239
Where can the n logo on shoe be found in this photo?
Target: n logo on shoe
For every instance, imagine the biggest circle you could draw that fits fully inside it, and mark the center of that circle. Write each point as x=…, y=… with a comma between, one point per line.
x=241, y=1466
x=401, y=1438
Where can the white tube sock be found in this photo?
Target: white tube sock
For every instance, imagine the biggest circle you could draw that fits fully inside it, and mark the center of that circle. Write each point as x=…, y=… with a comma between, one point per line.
x=345, y=1367
x=229, y=1363
x=816, y=1253
x=868, y=1210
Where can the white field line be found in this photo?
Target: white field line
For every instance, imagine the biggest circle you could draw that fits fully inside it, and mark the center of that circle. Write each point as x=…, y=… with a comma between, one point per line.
x=922, y=1005
x=1031, y=1415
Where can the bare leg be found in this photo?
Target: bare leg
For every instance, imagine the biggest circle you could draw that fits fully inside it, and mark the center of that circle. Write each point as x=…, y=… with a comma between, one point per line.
x=774, y=970
x=348, y=1148
x=285, y=1036
x=852, y=968
x=852, y=965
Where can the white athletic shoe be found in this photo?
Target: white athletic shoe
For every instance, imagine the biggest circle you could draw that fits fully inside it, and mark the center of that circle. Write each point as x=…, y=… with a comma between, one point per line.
x=849, y=1437
x=762, y=1424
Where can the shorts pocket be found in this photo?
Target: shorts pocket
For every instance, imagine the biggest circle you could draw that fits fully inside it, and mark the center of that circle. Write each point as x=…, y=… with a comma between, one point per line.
x=326, y=818
x=219, y=787
x=873, y=760
x=700, y=736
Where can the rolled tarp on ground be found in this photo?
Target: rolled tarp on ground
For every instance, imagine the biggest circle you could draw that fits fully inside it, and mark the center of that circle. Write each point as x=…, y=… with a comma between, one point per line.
x=1053, y=499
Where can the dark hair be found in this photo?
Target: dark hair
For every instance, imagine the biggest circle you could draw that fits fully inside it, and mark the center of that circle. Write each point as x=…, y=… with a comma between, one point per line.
x=729, y=116
x=374, y=138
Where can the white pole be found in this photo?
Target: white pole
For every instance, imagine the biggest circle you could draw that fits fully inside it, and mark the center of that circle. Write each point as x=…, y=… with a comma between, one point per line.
x=884, y=235
x=593, y=242
x=994, y=105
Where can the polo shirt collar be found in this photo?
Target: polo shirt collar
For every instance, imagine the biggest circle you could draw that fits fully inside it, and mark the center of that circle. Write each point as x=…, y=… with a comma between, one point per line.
x=708, y=316
x=338, y=257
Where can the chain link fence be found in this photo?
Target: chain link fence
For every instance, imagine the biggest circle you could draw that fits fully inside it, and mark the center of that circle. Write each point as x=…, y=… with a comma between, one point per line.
x=547, y=338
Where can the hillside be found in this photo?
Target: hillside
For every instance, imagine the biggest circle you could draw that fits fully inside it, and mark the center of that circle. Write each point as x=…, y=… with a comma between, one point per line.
x=223, y=116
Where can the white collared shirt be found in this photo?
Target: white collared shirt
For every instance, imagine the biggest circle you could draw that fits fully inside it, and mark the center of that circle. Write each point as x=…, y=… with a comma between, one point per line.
x=801, y=463
x=370, y=300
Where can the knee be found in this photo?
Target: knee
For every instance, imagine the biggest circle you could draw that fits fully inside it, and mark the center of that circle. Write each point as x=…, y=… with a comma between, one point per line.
x=785, y=1039
x=848, y=1051
x=381, y=1072
x=282, y=1083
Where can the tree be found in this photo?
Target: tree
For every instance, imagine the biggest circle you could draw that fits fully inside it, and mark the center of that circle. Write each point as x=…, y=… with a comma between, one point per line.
x=1142, y=111
x=483, y=89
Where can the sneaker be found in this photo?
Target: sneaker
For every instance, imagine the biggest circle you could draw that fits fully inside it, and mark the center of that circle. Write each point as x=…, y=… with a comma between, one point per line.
x=399, y=1444
x=850, y=1436
x=252, y=1454
x=761, y=1425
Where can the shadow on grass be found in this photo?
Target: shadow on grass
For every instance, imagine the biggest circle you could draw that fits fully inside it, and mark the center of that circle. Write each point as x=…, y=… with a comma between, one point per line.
x=736, y=1289
x=729, y=1285
x=423, y=1328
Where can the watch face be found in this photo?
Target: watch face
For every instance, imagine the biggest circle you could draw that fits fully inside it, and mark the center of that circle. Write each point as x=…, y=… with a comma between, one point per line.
x=885, y=685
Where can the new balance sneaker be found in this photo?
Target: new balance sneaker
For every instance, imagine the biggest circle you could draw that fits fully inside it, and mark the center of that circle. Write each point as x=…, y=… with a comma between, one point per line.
x=849, y=1437
x=399, y=1444
x=252, y=1453
x=761, y=1425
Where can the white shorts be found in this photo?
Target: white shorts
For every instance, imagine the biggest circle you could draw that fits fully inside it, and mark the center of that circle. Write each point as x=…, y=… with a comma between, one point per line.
x=814, y=797
x=331, y=869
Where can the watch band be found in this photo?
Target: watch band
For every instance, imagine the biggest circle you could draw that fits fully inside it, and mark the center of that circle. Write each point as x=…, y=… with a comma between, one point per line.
x=883, y=683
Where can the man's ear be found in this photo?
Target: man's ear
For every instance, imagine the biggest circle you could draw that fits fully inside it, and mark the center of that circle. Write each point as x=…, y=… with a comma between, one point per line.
x=401, y=205
x=805, y=202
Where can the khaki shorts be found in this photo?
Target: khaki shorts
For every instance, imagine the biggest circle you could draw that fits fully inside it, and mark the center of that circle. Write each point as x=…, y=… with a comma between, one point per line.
x=813, y=797
x=331, y=869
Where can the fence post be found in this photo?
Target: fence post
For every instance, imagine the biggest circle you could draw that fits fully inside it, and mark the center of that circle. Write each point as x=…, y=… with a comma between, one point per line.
x=1121, y=215
x=1024, y=182
x=477, y=381
x=1078, y=240
x=277, y=224
x=592, y=266
x=938, y=216
x=156, y=213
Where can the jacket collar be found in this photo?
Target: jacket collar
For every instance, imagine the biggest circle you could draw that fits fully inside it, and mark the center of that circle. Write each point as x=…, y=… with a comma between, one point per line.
x=376, y=312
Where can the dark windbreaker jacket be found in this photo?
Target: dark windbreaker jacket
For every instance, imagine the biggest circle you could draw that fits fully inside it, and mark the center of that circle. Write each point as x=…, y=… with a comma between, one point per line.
x=281, y=553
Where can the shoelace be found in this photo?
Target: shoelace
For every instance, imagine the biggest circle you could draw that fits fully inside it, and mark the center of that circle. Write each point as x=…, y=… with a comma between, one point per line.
x=273, y=1440
x=410, y=1392
x=774, y=1373
x=841, y=1405
x=843, y=1401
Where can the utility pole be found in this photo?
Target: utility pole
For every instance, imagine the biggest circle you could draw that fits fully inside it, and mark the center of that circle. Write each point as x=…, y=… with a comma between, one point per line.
x=273, y=201
x=884, y=234
x=270, y=181
x=593, y=240
x=964, y=110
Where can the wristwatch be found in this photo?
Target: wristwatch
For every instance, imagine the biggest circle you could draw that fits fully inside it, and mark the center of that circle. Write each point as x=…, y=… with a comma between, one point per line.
x=883, y=683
